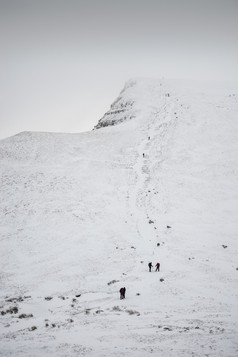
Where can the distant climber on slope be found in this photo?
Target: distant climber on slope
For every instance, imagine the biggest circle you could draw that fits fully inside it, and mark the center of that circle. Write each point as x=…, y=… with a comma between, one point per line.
x=150, y=266
x=122, y=293
x=157, y=267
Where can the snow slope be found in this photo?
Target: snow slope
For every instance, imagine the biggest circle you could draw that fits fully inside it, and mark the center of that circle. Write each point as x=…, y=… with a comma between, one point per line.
x=83, y=214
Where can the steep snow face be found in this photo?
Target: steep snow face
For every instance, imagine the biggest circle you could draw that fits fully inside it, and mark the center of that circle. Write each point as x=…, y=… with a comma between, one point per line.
x=82, y=215
x=138, y=97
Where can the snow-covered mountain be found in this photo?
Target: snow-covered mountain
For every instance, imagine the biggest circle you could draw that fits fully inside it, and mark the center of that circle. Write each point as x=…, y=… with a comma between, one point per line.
x=82, y=215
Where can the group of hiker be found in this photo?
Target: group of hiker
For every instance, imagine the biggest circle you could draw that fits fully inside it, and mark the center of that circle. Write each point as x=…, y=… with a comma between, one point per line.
x=143, y=152
x=157, y=265
x=123, y=290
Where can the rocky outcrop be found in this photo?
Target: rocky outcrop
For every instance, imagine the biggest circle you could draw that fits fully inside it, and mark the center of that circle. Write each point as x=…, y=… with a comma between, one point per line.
x=121, y=110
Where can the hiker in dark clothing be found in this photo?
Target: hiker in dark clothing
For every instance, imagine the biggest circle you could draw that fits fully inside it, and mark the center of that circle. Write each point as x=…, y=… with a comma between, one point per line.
x=143, y=155
x=150, y=266
x=122, y=293
x=157, y=267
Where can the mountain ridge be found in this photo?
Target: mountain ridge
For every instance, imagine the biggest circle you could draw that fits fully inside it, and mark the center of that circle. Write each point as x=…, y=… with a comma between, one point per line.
x=83, y=214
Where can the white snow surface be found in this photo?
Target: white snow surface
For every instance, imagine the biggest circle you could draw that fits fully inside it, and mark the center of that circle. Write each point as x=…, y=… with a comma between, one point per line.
x=84, y=214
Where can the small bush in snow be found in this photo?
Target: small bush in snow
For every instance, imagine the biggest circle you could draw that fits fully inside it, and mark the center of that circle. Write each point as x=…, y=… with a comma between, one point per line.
x=12, y=310
x=116, y=308
x=112, y=282
x=133, y=312
x=18, y=299
x=25, y=316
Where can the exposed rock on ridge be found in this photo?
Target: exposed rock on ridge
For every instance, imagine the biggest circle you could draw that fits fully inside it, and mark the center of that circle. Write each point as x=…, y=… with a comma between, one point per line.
x=122, y=109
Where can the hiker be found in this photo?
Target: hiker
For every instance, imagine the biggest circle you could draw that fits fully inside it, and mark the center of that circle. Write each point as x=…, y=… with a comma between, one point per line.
x=143, y=155
x=122, y=293
x=157, y=267
x=148, y=137
x=150, y=266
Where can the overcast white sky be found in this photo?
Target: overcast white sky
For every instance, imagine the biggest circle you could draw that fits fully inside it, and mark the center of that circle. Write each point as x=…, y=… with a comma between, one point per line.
x=63, y=62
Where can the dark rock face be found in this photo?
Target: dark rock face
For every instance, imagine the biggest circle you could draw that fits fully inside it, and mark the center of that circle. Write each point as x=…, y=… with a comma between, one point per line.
x=121, y=109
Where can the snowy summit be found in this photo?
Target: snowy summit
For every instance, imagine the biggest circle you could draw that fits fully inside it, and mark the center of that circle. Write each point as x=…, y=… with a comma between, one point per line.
x=82, y=216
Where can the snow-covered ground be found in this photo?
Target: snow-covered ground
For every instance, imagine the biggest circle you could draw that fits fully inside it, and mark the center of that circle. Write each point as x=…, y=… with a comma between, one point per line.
x=82, y=215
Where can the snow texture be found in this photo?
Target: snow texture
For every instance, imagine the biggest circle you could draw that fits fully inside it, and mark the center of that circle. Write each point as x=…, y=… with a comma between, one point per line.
x=82, y=215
